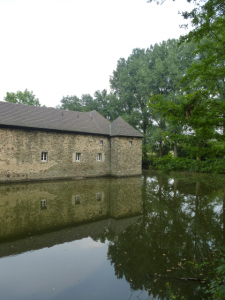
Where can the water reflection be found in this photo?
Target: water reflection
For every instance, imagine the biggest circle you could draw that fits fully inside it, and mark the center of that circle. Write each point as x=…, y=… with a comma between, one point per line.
x=42, y=208
x=152, y=227
x=183, y=221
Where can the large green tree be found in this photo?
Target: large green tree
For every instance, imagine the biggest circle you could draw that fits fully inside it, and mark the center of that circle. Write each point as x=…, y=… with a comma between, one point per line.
x=71, y=103
x=106, y=104
x=156, y=70
x=205, y=81
x=130, y=84
x=26, y=97
x=201, y=109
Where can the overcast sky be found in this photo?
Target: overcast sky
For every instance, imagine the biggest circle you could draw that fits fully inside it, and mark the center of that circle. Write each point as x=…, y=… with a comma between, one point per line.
x=71, y=47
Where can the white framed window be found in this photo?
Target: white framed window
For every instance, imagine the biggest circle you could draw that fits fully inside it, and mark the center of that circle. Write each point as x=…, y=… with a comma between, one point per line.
x=44, y=156
x=99, y=157
x=78, y=156
x=77, y=199
x=43, y=204
x=101, y=143
x=98, y=196
x=130, y=143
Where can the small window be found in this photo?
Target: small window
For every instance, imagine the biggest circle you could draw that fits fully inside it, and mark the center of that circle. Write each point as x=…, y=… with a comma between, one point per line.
x=98, y=195
x=77, y=199
x=130, y=143
x=78, y=156
x=101, y=142
x=99, y=157
x=43, y=204
x=100, y=211
x=44, y=156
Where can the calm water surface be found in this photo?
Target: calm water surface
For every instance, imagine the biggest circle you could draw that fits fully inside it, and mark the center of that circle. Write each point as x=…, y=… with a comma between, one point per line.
x=109, y=238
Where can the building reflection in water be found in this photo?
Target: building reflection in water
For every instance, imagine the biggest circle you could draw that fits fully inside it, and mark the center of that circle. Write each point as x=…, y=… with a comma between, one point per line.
x=183, y=220
x=45, y=210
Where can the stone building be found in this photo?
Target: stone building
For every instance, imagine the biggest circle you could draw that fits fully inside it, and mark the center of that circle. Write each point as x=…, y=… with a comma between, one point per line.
x=39, y=143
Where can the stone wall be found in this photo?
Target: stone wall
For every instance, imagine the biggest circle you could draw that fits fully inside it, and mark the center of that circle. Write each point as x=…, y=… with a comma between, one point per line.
x=126, y=156
x=20, y=155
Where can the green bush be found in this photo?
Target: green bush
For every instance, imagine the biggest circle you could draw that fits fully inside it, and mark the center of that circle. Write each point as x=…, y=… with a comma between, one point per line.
x=216, y=286
x=168, y=163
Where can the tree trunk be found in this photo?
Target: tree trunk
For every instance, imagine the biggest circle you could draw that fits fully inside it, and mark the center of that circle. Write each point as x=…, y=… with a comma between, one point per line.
x=175, y=150
x=224, y=217
x=160, y=180
x=200, y=146
x=160, y=149
x=196, y=211
x=196, y=200
x=175, y=187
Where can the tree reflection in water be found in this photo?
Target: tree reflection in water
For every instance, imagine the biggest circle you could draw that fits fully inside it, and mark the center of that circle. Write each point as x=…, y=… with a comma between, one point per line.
x=183, y=221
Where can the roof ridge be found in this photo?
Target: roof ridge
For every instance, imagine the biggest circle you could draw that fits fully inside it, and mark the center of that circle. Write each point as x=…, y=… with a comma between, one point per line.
x=42, y=107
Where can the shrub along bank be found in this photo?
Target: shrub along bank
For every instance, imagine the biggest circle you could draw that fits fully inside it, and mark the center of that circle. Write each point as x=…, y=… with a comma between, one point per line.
x=168, y=163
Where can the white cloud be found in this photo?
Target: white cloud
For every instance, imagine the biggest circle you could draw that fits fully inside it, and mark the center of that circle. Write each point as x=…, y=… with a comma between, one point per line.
x=88, y=243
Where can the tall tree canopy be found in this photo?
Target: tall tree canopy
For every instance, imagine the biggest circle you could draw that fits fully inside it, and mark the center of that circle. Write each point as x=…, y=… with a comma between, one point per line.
x=201, y=107
x=26, y=97
x=156, y=70
x=106, y=104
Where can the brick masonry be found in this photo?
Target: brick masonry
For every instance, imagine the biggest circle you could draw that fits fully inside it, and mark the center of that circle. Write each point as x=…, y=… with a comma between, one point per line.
x=20, y=155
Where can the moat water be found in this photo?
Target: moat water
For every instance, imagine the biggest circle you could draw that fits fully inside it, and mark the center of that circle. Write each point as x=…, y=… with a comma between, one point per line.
x=108, y=238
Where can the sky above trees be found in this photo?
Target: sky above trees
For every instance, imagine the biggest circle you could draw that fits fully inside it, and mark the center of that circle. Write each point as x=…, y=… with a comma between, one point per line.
x=71, y=47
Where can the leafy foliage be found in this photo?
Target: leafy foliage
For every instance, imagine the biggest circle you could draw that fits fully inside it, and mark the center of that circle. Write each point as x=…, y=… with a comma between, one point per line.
x=169, y=163
x=104, y=103
x=201, y=131
x=26, y=97
x=156, y=70
x=216, y=286
x=199, y=109
x=145, y=72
